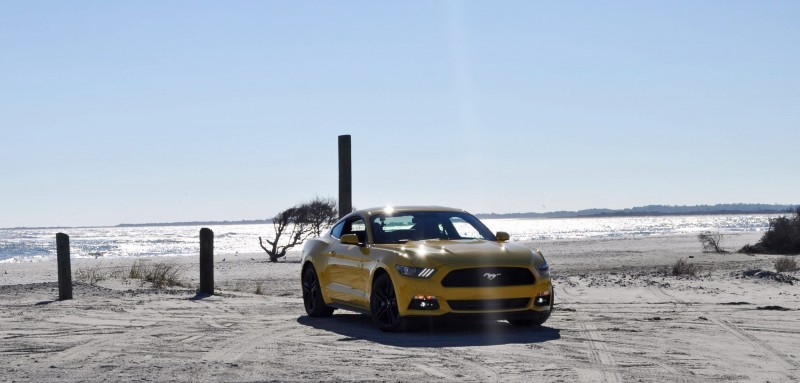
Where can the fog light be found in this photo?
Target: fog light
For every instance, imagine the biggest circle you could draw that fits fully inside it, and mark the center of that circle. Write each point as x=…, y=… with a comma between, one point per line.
x=542, y=298
x=424, y=302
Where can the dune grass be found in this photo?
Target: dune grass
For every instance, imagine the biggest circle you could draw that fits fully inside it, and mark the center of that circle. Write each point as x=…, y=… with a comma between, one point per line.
x=160, y=274
x=683, y=267
x=90, y=275
x=785, y=264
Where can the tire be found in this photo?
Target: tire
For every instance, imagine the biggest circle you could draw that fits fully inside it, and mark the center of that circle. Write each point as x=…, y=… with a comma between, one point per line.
x=312, y=295
x=383, y=305
x=520, y=322
x=535, y=318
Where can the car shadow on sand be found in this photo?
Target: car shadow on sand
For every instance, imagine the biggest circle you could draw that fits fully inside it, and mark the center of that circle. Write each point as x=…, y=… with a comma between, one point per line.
x=440, y=333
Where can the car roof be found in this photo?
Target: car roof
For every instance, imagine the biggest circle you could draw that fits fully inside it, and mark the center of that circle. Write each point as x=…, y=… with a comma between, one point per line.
x=401, y=209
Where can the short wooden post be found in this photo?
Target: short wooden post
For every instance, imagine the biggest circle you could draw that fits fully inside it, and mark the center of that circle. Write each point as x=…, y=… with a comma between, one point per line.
x=345, y=177
x=206, y=261
x=64, y=268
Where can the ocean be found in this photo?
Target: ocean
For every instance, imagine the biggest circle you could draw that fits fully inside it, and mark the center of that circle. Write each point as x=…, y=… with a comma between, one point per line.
x=27, y=245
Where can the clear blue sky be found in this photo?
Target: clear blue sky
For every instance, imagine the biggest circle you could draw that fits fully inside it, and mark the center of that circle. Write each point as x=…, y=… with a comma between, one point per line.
x=153, y=111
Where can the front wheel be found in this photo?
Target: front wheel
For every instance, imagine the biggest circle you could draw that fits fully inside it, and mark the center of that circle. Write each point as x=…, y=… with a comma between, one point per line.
x=536, y=318
x=312, y=295
x=533, y=319
x=383, y=305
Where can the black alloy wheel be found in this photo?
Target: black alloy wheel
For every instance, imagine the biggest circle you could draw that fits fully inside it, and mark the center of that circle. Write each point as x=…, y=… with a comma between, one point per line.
x=383, y=305
x=312, y=295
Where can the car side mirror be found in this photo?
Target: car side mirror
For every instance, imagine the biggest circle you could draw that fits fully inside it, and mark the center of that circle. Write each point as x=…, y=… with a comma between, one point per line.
x=502, y=236
x=349, y=239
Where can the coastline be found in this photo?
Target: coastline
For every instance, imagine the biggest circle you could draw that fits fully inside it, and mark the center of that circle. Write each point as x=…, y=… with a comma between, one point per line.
x=26, y=245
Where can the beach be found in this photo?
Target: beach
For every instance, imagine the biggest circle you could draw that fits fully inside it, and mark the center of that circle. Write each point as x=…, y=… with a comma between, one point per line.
x=618, y=318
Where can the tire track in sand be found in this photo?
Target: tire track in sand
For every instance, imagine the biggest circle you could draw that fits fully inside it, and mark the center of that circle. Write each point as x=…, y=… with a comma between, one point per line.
x=770, y=352
x=434, y=372
x=598, y=353
x=483, y=373
x=679, y=306
x=232, y=349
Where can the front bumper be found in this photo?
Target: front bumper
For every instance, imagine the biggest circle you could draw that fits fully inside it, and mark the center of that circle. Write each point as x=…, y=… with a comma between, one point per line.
x=439, y=300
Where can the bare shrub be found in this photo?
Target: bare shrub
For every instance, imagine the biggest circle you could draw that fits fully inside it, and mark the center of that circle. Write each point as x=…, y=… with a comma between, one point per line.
x=711, y=242
x=320, y=214
x=90, y=275
x=785, y=264
x=295, y=224
x=683, y=267
x=259, y=291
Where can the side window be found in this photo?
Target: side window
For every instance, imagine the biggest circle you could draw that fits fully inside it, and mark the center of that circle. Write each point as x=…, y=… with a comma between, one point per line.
x=356, y=226
x=336, y=232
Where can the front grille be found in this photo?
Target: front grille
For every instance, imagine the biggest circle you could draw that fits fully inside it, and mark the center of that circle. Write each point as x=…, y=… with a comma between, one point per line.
x=488, y=304
x=489, y=277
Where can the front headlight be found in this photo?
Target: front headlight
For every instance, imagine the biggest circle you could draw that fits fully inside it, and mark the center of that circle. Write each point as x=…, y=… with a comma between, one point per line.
x=416, y=272
x=544, y=267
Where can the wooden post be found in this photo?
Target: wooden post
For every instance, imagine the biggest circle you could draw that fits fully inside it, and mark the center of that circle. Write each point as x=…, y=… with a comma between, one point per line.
x=64, y=269
x=206, y=261
x=345, y=177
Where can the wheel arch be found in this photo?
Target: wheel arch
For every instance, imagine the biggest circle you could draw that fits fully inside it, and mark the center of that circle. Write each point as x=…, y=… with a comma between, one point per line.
x=308, y=263
x=380, y=270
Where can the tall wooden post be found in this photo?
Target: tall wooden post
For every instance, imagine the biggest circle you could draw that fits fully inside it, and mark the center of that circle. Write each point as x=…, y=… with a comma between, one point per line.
x=64, y=268
x=206, y=261
x=345, y=177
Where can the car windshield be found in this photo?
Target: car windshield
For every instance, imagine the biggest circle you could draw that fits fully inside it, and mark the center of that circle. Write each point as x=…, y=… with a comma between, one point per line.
x=401, y=227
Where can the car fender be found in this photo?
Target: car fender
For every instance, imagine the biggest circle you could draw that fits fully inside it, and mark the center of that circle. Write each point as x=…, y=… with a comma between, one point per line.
x=313, y=255
x=386, y=262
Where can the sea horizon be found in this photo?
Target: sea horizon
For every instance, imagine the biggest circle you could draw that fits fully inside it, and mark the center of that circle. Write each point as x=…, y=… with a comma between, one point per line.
x=638, y=211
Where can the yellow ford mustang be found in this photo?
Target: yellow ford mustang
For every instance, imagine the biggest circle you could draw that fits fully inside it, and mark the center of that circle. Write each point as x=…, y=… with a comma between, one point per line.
x=399, y=263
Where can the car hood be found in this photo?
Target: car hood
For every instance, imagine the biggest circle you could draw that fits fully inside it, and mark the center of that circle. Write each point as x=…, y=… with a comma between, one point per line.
x=434, y=253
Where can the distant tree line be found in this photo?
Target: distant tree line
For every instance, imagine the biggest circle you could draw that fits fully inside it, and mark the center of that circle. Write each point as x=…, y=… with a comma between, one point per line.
x=655, y=210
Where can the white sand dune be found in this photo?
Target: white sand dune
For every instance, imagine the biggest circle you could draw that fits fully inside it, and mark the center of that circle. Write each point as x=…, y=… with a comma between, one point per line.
x=617, y=320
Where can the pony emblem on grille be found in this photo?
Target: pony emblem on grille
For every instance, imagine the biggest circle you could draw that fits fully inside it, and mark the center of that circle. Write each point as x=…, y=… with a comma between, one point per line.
x=491, y=276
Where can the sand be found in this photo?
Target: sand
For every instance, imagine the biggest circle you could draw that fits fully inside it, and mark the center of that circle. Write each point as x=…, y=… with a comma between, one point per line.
x=618, y=318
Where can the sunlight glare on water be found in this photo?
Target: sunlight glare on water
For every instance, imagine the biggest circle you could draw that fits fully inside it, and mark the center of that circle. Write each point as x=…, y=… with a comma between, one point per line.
x=39, y=244
x=611, y=227
x=23, y=245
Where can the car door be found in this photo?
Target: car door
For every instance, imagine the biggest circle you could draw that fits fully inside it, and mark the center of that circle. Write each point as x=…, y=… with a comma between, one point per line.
x=348, y=266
